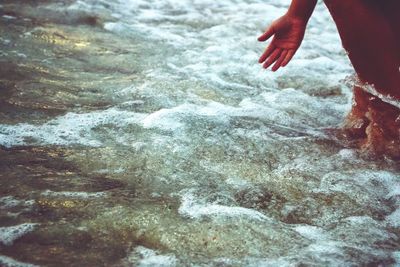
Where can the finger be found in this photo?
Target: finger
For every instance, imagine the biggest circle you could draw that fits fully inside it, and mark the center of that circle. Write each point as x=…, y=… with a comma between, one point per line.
x=266, y=35
x=266, y=54
x=278, y=63
x=274, y=56
x=288, y=57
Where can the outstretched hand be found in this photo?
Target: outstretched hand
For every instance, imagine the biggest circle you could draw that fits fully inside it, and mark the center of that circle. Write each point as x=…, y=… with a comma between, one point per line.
x=288, y=34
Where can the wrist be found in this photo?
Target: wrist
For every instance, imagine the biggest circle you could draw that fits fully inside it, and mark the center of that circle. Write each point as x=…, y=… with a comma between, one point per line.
x=296, y=19
x=300, y=18
x=301, y=10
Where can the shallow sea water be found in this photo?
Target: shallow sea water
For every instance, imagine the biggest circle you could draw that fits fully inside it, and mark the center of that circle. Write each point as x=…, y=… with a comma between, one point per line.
x=144, y=133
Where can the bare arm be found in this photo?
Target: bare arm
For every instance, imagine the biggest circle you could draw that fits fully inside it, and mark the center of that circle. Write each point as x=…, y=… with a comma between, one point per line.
x=302, y=9
x=288, y=32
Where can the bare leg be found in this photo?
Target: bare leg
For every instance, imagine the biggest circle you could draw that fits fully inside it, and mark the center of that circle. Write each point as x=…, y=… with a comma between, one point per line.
x=370, y=33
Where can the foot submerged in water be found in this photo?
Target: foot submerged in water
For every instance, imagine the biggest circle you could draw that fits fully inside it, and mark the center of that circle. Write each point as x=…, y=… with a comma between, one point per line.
x=373, y=126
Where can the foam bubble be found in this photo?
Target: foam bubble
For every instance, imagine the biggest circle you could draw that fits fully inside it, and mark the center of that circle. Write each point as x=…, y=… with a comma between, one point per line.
x=10, y=262
x=370, y=88
x=394, y=218
x=165, y=119
x=8, y=17
x=9, y=202
x=193, y=208
x=72, y=128
x=9, y=234
x=348, y=154
x=145, y=257
x=394, y=191
x=396, y=256
x=83, y=195
x=312, y=232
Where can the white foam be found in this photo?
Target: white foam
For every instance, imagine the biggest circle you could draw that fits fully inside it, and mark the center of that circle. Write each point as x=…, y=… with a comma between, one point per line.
x=6, y=41
x=8, y=17
x=195, y=209
x=279, y=106
x=394, y=218
x=10, y=262
x=216, y=41
x=9, y=234
x=166, y=119
x=252, y=262
x=83, y=195
x=348, y=154
x=367, y=184
x=9, y=202
x=215, y=46
x=324, y=248
x=394, y=191
x=145, y=257
x=72, y=128
x=370, y=88
x=312, y=232
x=173, y=118
x=396, y=256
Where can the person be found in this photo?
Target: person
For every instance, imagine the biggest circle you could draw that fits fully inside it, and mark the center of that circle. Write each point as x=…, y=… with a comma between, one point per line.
x=370, y=33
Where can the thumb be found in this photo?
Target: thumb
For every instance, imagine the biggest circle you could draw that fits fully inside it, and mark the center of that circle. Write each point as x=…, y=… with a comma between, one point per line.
x=267, y=34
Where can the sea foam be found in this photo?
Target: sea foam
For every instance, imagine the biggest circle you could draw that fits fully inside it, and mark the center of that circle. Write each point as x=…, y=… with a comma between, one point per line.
x=9, y=234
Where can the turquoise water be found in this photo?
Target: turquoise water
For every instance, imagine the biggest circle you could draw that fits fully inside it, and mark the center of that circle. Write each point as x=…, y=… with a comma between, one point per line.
x=144, y=133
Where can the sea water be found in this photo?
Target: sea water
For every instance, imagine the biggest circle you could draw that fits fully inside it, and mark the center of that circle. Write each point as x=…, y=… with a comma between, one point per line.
x=144, y=133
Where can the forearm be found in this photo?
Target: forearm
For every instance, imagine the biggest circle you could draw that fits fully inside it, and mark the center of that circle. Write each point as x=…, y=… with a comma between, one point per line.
x=302, y=9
